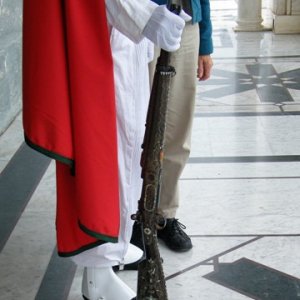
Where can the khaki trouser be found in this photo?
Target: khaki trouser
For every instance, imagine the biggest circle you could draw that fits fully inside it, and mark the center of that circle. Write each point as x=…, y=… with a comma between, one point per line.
x=179, y=117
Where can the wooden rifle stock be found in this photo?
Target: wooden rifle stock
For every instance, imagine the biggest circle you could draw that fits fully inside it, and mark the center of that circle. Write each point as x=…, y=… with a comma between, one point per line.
x=151, y=281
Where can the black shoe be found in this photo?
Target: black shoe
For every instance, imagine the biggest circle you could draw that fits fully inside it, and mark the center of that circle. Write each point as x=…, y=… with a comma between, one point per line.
x=136, y=240
x=174, y=236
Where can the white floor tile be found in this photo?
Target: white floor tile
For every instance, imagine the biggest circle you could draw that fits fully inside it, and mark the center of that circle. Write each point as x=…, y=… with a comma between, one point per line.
x=264, y=206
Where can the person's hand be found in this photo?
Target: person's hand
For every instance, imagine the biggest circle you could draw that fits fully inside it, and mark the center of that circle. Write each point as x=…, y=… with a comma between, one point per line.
x=164, y=28
x=205, y=64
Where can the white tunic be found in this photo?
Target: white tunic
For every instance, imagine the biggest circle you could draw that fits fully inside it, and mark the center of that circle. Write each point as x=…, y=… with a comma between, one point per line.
x=132, y=96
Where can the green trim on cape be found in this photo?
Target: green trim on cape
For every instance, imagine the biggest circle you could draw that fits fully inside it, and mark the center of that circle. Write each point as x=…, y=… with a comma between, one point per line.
x=48, y=153
x=81, y=249
x=97, y=235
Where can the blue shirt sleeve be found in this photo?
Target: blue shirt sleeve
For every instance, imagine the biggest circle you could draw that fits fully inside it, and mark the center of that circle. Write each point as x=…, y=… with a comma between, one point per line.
x=206, y=43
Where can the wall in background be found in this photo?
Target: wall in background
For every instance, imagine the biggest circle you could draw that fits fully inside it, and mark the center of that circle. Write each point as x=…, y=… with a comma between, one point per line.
x=10, y=61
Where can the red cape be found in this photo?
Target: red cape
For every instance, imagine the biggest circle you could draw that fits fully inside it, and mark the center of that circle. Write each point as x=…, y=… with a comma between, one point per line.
x=69, y=114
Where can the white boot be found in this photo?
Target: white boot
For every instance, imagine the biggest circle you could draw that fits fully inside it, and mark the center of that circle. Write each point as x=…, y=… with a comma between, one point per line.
x=104, y=284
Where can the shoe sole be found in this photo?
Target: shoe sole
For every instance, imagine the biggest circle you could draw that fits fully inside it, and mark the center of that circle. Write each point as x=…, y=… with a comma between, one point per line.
x=179, y=250
x=130, y=267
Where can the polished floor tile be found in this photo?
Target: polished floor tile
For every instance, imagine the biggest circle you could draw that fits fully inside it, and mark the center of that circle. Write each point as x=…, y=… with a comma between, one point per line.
x=10, y=141
x=239, y=191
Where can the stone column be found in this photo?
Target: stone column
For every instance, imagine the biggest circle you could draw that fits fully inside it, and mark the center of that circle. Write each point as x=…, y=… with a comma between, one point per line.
x=249, y=16
x=286, y=16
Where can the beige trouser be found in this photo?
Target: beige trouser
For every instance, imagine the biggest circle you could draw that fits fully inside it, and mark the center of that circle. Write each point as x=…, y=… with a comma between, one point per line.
x=179, y=117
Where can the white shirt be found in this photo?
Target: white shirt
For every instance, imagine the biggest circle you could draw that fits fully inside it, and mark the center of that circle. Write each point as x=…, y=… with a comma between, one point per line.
x=130, y=16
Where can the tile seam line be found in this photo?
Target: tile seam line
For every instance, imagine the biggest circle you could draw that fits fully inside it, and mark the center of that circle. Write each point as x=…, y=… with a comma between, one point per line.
x=244, y=235
x=247, y=114
x=239, y=178
x=254, y=57
x=244, y=159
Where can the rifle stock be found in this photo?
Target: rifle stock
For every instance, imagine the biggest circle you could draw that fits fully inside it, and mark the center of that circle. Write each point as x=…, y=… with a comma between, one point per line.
x=151, y=281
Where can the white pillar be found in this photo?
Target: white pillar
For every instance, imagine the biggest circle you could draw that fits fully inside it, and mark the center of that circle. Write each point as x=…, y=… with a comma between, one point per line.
x=249, y=16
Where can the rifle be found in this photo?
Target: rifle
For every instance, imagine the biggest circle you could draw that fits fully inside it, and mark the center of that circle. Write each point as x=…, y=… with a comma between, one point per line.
x=151, y=281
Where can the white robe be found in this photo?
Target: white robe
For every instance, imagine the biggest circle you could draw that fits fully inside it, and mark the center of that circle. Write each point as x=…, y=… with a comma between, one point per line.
x=132, y=97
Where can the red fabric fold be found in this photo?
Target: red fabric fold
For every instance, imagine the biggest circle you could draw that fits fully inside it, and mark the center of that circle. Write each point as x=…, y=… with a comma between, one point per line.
x=69, y=111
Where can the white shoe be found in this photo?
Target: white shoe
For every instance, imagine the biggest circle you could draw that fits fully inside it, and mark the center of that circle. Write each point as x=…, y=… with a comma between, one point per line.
x=104, y=284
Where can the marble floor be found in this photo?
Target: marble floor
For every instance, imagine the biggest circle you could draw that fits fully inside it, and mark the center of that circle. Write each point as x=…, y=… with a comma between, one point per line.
x=239, y=191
